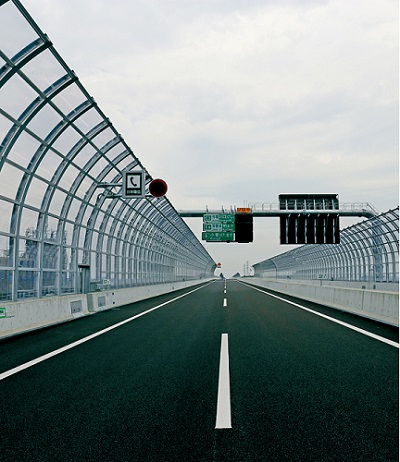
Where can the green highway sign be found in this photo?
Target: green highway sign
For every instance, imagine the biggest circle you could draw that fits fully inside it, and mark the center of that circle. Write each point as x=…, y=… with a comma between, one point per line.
x=217, y=226
x=3, y=312
x=219, y=217
x=222, y=236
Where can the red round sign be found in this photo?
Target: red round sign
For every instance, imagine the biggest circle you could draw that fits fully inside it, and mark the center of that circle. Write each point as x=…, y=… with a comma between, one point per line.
x=158, y=187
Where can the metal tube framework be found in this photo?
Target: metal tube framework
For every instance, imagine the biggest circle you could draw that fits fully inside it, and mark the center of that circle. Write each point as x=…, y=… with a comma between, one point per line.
x=57, y=147
x=368, y=252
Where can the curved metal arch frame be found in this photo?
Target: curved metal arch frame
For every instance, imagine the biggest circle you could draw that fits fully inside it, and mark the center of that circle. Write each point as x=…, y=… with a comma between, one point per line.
x=368, y=252
x=118, y=238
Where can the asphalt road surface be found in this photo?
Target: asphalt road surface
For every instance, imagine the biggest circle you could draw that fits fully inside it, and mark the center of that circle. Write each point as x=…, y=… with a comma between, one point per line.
x=221, y=372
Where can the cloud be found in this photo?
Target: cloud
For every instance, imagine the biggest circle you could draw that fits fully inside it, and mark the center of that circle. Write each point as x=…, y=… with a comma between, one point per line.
x=241, y=100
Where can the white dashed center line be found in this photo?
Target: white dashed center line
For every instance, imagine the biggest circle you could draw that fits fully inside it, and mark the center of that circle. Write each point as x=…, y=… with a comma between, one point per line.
x=224, y=390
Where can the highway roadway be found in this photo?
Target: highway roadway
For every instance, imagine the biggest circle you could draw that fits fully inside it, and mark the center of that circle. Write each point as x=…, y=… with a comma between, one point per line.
x=220, y=372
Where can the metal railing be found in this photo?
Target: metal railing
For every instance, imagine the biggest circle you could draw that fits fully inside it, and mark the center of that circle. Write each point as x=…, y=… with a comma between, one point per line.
x=345, y=209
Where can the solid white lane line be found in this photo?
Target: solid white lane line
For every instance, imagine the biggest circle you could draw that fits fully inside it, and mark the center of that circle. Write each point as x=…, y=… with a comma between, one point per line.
x=224, y=390
x=225, y=302
x=31, y=363
x=329, y=318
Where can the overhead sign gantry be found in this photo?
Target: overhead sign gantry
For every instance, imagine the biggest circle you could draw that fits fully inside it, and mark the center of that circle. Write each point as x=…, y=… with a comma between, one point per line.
x=304, y=219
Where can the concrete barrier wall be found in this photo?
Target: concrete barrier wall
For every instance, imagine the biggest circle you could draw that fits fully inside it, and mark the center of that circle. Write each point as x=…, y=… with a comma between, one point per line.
x=379, y=305
x=32, y=314
x=380, y=286
x=99, y=301
x=27, y=315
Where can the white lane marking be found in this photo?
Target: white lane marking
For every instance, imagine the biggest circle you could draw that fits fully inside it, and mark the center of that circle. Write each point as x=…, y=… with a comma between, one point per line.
x=345, y=324
x=224, y=391
x=225, y=302
x=224, y=291
x=31, y=363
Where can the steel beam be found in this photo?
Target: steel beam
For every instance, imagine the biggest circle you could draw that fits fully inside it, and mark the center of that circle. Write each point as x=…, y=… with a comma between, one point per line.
x=281, y=213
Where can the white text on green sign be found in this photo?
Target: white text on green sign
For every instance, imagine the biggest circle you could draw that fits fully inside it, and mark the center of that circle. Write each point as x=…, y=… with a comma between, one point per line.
x=222, y=217
x=218, y=236
x=217, y=226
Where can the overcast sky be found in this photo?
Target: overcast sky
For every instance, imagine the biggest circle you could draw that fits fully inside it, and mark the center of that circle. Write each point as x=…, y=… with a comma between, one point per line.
x=237, y=101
